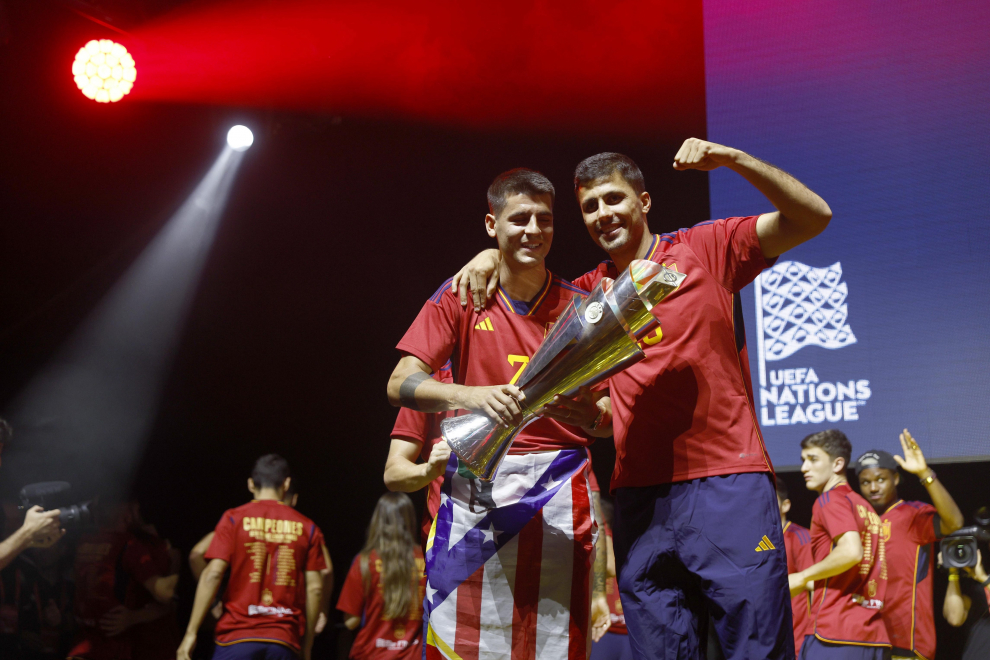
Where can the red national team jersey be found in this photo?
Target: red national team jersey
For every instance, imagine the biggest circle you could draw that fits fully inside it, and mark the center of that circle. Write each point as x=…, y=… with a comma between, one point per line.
x=107, y=565
x=797, y=545
x=424, y=428
x=686, y=410
x=379, y=638
x=492, y=348
x=847, y=606
x=909, y=529
x=269, y=547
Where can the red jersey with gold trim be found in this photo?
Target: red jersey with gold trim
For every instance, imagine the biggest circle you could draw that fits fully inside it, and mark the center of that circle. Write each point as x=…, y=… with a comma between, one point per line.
x=686, y=410
x=424, y=428
x=378, y=637
x=493, y=347
x=269, y=547
x=909, y=529
x=847, y=606
x=797, y=545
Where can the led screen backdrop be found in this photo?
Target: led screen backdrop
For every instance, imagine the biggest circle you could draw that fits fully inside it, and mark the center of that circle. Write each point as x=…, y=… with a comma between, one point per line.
x=883, y=109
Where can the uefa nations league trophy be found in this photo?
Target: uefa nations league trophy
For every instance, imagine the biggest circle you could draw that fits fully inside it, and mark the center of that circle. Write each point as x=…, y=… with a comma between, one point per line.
x=594, y=338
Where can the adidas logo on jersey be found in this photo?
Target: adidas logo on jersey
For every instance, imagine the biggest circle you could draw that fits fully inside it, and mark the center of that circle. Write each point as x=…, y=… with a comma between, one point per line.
x=765, y=544
x=485, y=324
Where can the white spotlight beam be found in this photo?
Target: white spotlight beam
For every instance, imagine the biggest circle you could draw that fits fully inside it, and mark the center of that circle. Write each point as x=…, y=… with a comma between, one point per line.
x=85, y=418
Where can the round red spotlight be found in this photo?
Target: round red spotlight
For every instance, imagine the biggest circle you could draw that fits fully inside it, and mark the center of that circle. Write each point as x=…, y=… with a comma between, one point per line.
x=104, y=71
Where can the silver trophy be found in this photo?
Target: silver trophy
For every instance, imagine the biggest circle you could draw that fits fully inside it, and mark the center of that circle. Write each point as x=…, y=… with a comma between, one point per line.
x=594, y=338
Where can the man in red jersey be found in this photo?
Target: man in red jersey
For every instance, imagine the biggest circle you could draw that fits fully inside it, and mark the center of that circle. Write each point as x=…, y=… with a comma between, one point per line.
x=416, y=435
x=275, y=555
x=797, y=544
x=509, y=562
x=693, y=492
x=909, y=530
x=850, y=572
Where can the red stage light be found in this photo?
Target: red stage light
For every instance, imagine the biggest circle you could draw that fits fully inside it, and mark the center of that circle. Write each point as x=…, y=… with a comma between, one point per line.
x=631, y=67
x=104, y=71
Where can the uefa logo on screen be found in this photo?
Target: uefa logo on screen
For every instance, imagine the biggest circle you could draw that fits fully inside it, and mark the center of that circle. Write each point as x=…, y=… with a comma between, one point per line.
x=799, y=306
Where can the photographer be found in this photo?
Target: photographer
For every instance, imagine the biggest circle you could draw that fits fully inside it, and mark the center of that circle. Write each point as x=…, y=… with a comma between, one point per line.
x=968, y=601
x=40, y=528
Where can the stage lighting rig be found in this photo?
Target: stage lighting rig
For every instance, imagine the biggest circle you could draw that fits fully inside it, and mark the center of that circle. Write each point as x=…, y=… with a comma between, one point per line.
x=239, y=138
x=104, y=71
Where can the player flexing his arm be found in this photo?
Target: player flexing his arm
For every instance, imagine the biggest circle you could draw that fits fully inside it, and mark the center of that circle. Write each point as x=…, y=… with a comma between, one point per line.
x=274, y=595
x=850, y=574
x=910, y=530
x=539, y=496
x=689, y=455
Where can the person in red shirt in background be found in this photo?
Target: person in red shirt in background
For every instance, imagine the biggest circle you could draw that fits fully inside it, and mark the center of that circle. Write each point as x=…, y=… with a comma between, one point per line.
x=111, y=565
x=198, y=563
x=416, y=435
x=614, y=644
x=910, y=529
x=797, y=545
x=275, y=555
x=383, y=591
x=850, y=574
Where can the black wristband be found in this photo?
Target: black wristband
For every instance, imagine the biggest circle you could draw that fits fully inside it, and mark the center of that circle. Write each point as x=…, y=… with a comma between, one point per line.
x=985, y=583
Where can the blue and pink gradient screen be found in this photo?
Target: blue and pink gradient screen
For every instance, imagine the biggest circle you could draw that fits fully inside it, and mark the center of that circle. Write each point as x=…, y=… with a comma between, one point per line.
x=882, y=322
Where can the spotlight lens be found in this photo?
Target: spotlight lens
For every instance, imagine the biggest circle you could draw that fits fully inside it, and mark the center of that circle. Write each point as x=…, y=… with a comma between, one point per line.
x=240, y=138
x=99, y=65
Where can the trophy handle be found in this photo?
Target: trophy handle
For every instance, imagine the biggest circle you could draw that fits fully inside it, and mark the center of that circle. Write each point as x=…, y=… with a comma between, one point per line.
x=481, y=442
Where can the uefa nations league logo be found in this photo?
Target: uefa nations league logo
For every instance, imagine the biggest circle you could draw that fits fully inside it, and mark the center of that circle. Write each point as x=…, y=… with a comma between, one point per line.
x=798, y=306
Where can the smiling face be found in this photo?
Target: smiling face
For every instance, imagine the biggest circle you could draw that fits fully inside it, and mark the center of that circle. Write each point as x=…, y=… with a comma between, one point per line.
x=613, y=213
x=818, y=467
x=879, y=486
x=524, y=229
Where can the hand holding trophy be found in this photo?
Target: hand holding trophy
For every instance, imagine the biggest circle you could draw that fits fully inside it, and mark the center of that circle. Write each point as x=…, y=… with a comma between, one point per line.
x=594, y=338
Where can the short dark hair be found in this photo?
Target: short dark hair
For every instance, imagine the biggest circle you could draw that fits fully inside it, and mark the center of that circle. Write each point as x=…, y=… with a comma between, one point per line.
x=603, y=165
x=6, y=432
x=833, y=442
x=270, y=471
x=518, y=181
x=781, y=490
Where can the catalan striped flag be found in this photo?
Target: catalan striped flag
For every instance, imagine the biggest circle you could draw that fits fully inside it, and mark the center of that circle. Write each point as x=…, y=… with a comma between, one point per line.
x=509, y=562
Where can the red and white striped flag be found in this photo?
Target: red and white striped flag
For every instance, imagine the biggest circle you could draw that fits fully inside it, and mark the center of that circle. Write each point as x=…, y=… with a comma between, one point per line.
x=509, y=562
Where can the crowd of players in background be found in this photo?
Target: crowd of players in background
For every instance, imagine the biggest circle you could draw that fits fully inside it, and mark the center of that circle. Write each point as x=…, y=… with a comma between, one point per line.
x=110, y=593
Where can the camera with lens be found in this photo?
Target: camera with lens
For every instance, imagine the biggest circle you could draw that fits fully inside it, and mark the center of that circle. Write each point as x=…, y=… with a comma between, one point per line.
x=51, y=495
x=959, y=549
